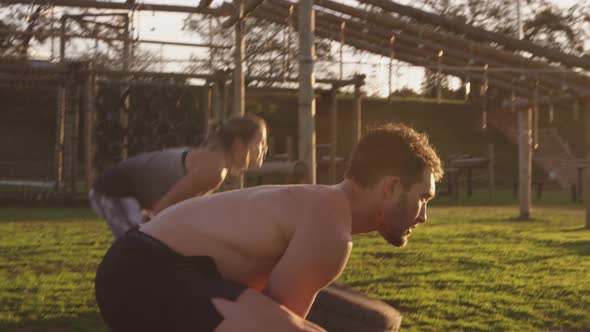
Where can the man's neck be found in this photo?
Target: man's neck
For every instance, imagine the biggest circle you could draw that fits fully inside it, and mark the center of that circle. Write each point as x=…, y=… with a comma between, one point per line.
x=361, y=204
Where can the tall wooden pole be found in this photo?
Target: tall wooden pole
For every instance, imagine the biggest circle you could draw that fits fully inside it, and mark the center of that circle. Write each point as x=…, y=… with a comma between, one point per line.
x=216, y=107
x=525, y=152
x=238, y=81
x=125, y=94
x=206, y=101
x=333, y=133
x=587, y=156
x=62, y=39
x=73, y=139
x=525, y=157
x=89, y=127
x=60, y=137
x=357, y=111
x=491, y=174
x=239, y=86
x=306, y=107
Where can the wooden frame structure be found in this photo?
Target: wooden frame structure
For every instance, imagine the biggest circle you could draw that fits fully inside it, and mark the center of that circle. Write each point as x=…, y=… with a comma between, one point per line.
x=453, y=49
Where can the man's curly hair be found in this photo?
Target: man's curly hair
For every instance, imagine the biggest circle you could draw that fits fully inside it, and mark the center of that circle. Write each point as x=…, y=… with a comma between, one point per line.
x=393, y=149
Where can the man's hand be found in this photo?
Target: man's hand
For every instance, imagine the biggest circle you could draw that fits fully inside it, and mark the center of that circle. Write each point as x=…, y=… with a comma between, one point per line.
x=254, y=312
x=146, y=215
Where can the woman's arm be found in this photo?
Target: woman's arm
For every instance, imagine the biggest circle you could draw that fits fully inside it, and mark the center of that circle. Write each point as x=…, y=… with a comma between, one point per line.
x=197, y=182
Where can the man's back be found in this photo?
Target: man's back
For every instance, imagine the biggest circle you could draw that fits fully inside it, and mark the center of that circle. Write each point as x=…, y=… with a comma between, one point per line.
x=247, y=232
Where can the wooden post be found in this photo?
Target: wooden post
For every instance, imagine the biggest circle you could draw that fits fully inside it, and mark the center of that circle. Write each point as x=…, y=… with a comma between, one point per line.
x=216, y=100
x=73, y=141
x=62, y=39
x=271, y=148
x=483, y=94
x=491, y=177
x=225, y=102
x=89, y=112
x=59, y=137
x=125, y=93
x=124, y=121
x=357, y=113
x=238, y=84
x=206, y=108
x=580, y=185
x=306, y=107
x=126, y=45
x=587, y=168
x=289, y=149
x=469, y=181
x=525, y=152
x=525, y=157
x=333, y=132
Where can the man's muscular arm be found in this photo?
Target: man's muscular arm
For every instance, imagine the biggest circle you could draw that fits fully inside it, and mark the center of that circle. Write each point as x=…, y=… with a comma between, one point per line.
x=316, y=255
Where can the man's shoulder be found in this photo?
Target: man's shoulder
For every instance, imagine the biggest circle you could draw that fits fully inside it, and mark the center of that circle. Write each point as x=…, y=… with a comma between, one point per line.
x=328, y=211
x=312, y=198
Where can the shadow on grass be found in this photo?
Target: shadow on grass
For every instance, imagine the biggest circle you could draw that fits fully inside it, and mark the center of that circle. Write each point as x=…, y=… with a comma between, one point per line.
x=87, y=323
x=581, y=248
x=47, y=214
x=580, y=229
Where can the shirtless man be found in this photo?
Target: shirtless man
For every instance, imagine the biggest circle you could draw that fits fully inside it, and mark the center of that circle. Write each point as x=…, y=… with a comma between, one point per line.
x=254, y=259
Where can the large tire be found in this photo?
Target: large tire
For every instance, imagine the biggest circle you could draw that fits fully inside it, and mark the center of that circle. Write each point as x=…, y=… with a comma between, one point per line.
x=340, y=309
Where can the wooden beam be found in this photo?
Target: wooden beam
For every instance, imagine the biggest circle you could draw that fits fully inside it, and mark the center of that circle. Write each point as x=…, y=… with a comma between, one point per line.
x=53, y=33
x=204, y=4
x=248, y=7
x=333, y=81
x=428, y=49
x=381, y=36
x=403, y=55
x=581, y=82
x=479, y=34
x=544, y=101
x=154, y=74
x=224, y=10
x=454, y=58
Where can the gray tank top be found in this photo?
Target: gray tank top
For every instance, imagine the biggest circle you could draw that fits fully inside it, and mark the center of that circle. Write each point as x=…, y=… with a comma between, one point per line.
x=147, y=176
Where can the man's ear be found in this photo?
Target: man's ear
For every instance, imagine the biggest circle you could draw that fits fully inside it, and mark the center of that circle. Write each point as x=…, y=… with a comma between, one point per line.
x=390, y=186
x=238, y=147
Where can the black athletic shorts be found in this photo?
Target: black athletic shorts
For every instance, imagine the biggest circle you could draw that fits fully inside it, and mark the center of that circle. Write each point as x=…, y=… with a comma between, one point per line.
x=143, y=285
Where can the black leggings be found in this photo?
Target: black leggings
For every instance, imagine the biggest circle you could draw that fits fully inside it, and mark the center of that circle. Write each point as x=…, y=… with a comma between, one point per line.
x=143, y=285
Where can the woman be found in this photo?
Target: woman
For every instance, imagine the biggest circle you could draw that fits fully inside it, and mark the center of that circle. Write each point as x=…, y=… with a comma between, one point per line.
x=134, y=190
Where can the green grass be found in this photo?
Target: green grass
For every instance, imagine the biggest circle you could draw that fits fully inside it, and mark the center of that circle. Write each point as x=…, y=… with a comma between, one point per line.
x=504, y=197
x=469, y=268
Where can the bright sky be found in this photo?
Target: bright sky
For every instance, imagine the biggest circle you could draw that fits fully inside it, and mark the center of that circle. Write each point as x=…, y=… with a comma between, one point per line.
x=168, y=26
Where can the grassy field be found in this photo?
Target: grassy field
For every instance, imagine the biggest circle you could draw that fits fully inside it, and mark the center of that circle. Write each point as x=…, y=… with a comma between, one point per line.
x=469, y=268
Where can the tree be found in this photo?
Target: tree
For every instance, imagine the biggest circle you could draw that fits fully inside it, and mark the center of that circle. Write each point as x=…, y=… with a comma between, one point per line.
x=545, y=23
x=271, y=49
x=405, y=92
x=30, y=26
x=433, y=81
x=25, y=19
x=566, y=30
